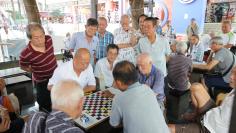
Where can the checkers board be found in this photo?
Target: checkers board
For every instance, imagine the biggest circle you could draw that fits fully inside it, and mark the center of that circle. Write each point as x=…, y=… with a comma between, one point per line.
x=96, y=108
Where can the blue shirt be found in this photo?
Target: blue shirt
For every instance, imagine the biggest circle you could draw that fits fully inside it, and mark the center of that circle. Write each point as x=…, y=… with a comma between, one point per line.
x=159, y=30
x=155, y=80
x=103, y=42
x=79, y=40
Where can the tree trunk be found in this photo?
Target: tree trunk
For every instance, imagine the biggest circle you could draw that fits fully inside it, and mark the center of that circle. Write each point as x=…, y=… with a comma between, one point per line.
x=137, y=8
x=13, y=10
x=32, y=11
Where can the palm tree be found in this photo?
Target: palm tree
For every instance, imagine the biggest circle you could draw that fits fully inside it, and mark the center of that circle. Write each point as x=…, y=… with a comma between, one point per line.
x=32, y=11
x=137, y=8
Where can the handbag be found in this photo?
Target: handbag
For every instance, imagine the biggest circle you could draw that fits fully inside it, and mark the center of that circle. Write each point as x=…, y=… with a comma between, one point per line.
x=233, y=49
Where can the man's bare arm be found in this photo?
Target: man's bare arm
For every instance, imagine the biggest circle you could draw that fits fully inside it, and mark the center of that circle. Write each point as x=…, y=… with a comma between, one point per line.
x=89, y=88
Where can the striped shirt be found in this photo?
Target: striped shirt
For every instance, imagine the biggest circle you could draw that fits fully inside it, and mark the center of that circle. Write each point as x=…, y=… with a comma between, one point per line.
x=179, y=67
x=36, y=123
x=59, y=122
x=103, y=42
x=42, y=64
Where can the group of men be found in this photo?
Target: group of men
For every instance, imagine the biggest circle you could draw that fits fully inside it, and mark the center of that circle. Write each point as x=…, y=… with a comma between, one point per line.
x=138, y=107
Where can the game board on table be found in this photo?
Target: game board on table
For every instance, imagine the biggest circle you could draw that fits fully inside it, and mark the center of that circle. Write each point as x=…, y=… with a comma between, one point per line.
x=95, y=110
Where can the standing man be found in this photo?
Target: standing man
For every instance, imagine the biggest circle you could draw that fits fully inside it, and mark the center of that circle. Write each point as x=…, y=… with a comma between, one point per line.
x=104, y=37
x=39, y=59
x=141, y=25
x=192, y=28
x=229, y=38
x=86, y=39
x=78, y=69
x=158, y=27
x=124, y=38
x=136, y=108
x=155, y=45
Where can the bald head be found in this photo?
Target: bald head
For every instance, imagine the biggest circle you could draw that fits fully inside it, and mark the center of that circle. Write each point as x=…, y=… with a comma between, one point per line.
x=144, y=63
x=81, y=60
x=82, y=52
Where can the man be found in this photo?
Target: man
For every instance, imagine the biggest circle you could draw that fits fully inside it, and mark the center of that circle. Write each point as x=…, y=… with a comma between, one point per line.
x=104, y=67
x=104, y=37
x=86, y=39
x=151, y=76
x=156, y=46
x=141, y=19
x=192, y=28
x=136, y=108
x=196, y=50
x=78, y=69
x=124, y=38
x=205, y=40
x=67, y=104
x=179, y=69
x=215, y=120
x=223, y=61
x=169, y=31
x=38, y=58
x=158, y=27
x=229, y=38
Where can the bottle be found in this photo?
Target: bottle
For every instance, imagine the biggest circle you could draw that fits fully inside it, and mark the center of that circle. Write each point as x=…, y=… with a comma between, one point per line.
x=101, y=82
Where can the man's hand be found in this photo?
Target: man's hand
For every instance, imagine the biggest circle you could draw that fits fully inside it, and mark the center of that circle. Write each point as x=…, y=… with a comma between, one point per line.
x=107, y=94
x=5, y=124
x=2, y=84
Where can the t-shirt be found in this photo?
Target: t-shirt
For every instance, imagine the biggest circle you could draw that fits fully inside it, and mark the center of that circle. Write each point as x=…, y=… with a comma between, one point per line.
x=179, y=67
x=158, y=51
x=225, y=58
x=138, y=111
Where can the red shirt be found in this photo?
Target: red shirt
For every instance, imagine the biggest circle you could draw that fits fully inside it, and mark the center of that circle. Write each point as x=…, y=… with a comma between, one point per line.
x=43, y=64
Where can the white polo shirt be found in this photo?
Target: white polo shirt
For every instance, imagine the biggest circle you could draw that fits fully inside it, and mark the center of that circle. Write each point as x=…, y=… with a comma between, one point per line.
x=229, y=38
x=65, y=71
x=217, y=120
x=102, y=68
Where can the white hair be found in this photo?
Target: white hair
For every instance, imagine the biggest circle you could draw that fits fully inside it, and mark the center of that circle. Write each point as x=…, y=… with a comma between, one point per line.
x=144, y=57
x=181, y=47
x=66, y=93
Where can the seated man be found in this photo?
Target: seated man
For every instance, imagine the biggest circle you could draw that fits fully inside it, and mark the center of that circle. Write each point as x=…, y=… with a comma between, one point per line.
x=213, y=120
x=104, y=67
x=196, y=50
x=77, y=69
x=179, y=68
x=67, y=104
x=136, y=108
x=222, y=60
x=151, y=76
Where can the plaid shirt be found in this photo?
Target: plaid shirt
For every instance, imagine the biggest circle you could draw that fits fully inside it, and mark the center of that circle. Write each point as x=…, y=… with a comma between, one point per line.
x=103, y=42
